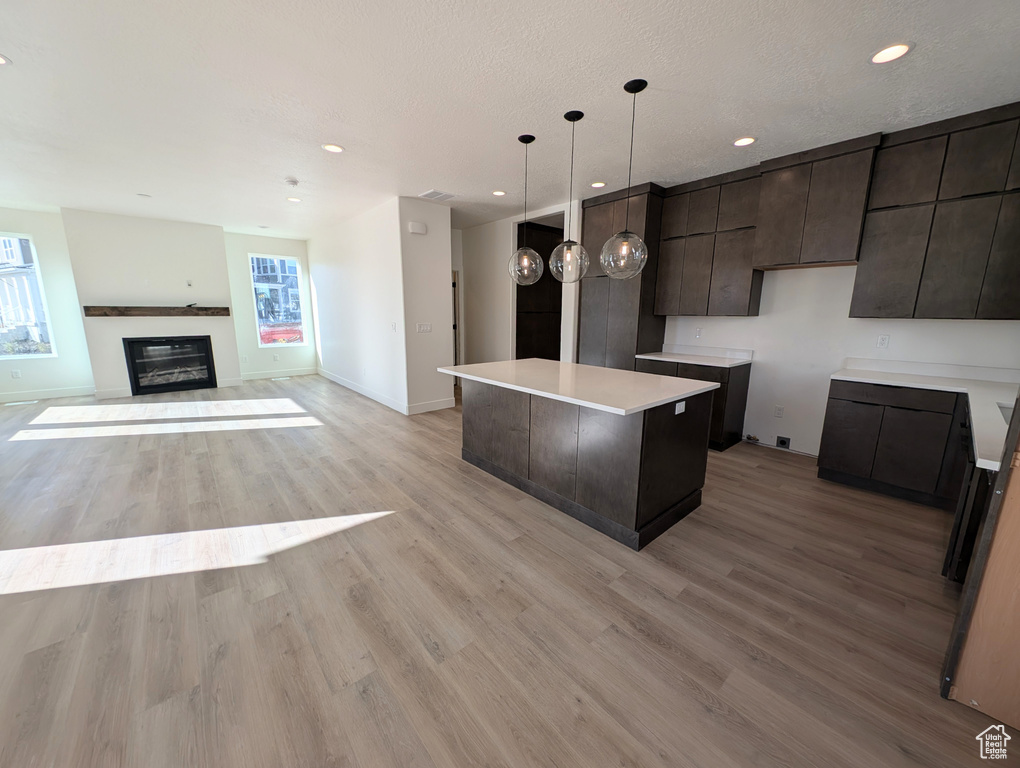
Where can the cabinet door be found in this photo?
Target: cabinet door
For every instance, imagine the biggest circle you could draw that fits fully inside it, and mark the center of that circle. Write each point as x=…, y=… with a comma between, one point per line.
x=907, y=174
x=835, y=208
x=674, y=216
x=961, y=240
x=597, y=227
x=1013, y=180
x=892, y=257
x=658, y=367
x=738, y=204
x=667, y=282
x=781, y=210
x=1000, y=293
x=623, y=321
x=911, y=446
x=977, y=160
x=733, y=277
x=594, y=314
x=849, y=437
x=697, y=275
x=704, y=211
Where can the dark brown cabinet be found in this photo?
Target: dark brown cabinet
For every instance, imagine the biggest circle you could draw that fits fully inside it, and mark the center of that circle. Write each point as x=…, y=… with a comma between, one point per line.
x=703, y=212
x=958, y=250
x=738, y=204
x=736, y=286
x=892, y=257
x=977, y=161
x=1000, y=290
x=781, y=211
x=674, y=216
x=908, y=173
x=728, y=403
x=667, y=282
x=617, y=317
x=899, y=441
x=697, y=275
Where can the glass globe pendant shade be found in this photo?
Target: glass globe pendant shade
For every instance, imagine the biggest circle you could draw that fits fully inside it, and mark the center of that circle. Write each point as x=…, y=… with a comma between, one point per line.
x=624, y=255
x=568, y=262
x=526, y=266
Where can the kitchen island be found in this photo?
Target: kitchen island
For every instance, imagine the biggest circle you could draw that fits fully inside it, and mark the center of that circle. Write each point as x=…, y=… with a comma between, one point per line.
x=623, y=452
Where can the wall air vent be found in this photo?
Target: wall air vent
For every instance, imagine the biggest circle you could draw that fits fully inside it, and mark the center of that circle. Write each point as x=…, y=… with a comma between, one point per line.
x=436, y=196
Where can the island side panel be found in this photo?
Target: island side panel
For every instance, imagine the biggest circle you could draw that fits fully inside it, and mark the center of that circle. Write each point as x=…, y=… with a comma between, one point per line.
x=554, y=445
x=674, y=455
x=497, y=425
x=609, y=464
x=476, y=410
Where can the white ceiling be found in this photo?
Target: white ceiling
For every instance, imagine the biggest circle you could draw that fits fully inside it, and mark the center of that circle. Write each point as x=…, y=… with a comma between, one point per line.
x=207, y=105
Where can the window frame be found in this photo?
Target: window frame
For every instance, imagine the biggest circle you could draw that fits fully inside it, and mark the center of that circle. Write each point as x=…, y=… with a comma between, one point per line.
x=42, y=298
x=252, y=273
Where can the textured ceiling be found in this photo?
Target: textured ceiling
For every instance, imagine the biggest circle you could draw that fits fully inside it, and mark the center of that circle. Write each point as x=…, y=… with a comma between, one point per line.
x=208, y=106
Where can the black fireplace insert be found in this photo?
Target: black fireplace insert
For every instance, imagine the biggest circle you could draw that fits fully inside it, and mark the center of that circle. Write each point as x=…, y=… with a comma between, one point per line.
x=170, y=364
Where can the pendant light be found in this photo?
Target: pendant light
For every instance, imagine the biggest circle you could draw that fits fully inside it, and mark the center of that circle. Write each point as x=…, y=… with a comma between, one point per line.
x=525, y=265
x=569, y=261
x=625, y=254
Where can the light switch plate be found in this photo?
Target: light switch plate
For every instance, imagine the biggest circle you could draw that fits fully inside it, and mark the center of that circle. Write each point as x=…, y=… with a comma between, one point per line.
x=680, y=407
x=424, y=327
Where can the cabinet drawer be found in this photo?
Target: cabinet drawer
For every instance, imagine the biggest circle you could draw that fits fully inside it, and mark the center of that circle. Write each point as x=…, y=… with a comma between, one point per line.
x=901, y=397
x=658, y=367
x=702, y=372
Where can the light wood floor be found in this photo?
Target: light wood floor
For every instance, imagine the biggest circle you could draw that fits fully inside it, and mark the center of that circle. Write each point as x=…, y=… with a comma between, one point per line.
x=787, y=622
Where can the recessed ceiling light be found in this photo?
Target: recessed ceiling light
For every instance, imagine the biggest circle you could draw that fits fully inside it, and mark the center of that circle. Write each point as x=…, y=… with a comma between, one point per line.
x=598, y=184
x=891, y=53
x=334, y=148
x=4, y=59
x=746, y=140
x=293, y=199
x=498, y=192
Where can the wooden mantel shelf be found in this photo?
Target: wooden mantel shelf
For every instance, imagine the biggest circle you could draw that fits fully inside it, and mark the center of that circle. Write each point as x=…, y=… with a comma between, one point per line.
x=157, y=311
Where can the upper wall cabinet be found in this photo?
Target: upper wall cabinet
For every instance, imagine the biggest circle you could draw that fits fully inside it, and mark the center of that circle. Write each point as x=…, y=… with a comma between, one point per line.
x=941, y=238
x=707, y=244
x=811, y=207
x=616, y=316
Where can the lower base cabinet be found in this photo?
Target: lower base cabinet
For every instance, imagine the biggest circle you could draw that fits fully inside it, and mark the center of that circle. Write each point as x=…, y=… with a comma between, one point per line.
x=910, y=443
x=729, y=401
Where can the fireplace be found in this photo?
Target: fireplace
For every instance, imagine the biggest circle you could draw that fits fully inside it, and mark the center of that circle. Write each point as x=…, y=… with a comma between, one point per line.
x=169, y=364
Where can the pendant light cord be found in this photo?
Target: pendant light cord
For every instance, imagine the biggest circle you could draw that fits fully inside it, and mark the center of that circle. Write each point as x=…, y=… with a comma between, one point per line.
x=630, y=166
x=524, y=243
x=570, y=186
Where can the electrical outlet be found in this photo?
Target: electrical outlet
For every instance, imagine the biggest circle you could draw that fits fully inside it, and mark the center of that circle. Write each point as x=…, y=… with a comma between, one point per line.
x=424, y=327
x=15, y=374
x=276, y=358
x=697, y=333
x=778, y=413
x=782, y=442
x=883, y=341
x=680, y=407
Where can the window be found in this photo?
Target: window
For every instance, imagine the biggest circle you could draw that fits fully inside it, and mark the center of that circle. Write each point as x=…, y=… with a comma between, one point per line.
x=24, y=327
x=277, y=289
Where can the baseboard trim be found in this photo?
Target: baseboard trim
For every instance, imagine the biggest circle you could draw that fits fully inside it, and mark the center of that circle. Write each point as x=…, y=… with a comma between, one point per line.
x=275, y=374
x=370, y=394
x=110, y=394
x=46, y=394
x=875, y=486
x=433, y=405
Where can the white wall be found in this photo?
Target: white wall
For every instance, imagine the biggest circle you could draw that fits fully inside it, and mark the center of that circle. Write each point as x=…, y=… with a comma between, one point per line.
x=127, y=260
x=428, y=298
x=257, y=362
x=69, y=372
x=457, y=261
x=803, y=334
x=357, y=295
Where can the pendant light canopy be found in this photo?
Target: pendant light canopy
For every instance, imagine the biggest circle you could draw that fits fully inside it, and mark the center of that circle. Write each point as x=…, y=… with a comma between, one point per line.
x=569, y=261
x=625, y=254
x=526, y=266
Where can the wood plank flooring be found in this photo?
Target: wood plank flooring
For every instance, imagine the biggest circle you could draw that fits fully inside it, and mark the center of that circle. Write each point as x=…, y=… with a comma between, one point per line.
x=787, y=622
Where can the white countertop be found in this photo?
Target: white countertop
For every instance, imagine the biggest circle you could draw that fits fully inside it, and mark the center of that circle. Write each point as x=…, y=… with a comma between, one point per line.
x=988, y=426
x=709, y=360
x=604, y=389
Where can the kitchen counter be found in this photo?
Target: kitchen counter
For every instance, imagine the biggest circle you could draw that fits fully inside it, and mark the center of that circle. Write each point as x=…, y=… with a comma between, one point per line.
x=679, y=357
x=620, y=451
x=605, y=389
x=988, y=424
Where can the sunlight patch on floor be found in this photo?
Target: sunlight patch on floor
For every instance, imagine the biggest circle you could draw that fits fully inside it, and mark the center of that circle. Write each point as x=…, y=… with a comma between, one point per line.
x=169, y=428
x=99, y=562
x=79, y=414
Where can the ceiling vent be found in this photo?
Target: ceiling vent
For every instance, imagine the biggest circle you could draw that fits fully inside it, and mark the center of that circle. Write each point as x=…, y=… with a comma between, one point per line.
x=436, y=196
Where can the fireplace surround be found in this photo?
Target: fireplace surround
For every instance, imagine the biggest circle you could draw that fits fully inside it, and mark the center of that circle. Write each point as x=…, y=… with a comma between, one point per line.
x=169, y=364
